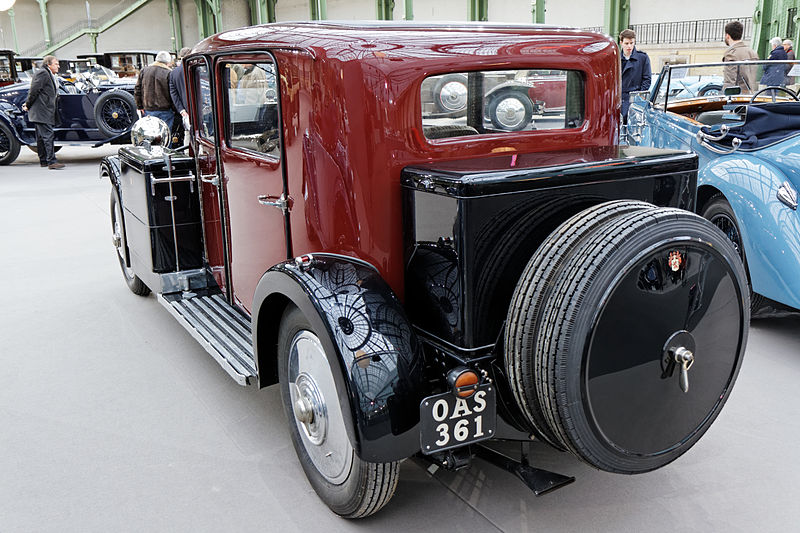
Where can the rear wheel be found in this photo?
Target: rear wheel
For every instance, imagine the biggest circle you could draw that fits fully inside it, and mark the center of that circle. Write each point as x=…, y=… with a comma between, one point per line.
x=720, y=213
x=349, y=486
x=115, y=112
x=634, y=300
x=9, y=145
x=120, y=241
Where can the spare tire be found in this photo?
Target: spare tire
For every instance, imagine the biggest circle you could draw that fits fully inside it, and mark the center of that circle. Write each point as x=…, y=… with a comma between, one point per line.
x=595, y=345
x=115, y=112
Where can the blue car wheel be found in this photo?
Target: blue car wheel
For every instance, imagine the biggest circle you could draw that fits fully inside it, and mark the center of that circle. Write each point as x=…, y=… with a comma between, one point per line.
x=719, y=212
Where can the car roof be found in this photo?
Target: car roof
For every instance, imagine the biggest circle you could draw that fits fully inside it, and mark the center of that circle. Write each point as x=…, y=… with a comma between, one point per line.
x=396, y=38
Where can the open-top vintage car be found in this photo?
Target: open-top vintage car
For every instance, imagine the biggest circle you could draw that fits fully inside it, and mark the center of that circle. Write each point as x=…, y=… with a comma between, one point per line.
x=426, y=284
x=747, y=138
x=92, y=110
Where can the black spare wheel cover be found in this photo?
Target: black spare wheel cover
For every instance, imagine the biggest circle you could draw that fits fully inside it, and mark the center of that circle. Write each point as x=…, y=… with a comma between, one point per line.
x=637, y=290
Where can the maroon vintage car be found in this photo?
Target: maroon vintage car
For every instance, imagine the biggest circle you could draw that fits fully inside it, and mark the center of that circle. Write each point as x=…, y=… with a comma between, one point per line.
x=421, y=282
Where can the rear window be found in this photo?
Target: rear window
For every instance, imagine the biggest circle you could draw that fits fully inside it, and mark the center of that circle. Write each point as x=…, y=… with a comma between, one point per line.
x=487, y=102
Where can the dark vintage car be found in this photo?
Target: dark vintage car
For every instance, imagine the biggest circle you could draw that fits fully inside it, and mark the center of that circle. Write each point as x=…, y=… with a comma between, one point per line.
x=125, y=64
x=92, y=110
x=427, y=284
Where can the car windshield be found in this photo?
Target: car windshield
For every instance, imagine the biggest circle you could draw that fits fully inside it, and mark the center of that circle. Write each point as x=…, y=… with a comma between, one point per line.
x=739, y=81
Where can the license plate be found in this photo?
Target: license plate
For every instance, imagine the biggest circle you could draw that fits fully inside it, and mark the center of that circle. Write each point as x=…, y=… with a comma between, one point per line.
x=449, y=422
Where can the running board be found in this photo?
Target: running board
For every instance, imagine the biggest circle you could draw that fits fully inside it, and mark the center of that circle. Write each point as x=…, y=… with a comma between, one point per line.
x=220, y=329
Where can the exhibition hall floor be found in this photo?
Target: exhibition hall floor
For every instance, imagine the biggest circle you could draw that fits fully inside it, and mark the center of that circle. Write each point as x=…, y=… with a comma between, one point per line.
x=115, y=419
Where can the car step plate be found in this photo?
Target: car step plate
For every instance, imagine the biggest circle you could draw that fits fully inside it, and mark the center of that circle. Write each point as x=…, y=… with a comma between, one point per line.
x=220, y=329
x=449, y=422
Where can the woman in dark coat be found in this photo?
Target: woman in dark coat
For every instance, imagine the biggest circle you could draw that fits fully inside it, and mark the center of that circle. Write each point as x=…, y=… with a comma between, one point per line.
x=774, y=75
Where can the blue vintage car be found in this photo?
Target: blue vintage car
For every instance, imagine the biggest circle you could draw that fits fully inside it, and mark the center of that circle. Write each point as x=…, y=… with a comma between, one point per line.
x=747, y=137
x=96, y=109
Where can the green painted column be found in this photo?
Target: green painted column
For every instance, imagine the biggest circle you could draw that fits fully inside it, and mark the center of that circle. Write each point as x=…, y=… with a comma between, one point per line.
x=319, y=9
x=13, y=29
x=175, y=23
x=409, y=9
x=775, y=18
x=617, y=16
x=45, y=23
x=537, y=11
x=93, y=39
x=209, y=17
x=479, y=10
x=384, y=9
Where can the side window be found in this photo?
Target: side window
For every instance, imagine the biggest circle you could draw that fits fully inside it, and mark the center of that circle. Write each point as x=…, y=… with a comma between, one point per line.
x=203, y=107
x=252, y=107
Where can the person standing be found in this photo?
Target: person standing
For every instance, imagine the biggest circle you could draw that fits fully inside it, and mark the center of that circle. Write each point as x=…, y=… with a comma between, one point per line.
x=774, y=75
x=740, y=76
x=177, y=88
x=152, y=90
x=635, y=70
x=42, y=108
x=788, y=48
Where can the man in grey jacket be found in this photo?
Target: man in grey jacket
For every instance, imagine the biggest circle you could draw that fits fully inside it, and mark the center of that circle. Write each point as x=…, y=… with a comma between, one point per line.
x=42, y=108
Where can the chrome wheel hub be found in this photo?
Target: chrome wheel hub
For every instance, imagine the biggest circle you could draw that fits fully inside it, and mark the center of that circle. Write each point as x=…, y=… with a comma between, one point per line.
x=510, y=112
x=454, y=96
x=316, y=409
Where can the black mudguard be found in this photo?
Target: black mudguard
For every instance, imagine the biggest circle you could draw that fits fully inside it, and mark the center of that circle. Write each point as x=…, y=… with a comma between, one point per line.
x=379, y=360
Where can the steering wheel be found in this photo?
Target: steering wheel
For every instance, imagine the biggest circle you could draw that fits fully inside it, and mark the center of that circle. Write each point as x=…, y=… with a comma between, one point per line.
x=774, y=88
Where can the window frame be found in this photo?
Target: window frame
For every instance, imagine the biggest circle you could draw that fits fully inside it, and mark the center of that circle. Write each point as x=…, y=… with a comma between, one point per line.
x=493, y=133
x=255, y=57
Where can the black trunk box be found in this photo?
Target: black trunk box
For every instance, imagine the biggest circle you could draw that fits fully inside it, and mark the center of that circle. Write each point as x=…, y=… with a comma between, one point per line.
x=471, y=226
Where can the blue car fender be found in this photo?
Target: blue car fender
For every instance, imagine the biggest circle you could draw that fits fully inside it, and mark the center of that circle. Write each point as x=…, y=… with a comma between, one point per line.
x=377, y=359
x=770, y=230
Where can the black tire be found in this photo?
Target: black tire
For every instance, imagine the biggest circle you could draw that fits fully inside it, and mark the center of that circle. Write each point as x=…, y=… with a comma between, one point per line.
x=115, y=112
x=617, y=308
x=350, y=487
x=720, y=213
x=120, y=240
x=531, y=293
x=9, y=145
x=709, y=90
x=449, y=93
x=510, y=110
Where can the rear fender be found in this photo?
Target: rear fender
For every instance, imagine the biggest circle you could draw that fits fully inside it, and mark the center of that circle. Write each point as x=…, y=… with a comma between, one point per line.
x=109, y=167
x=769, y=229
x=14, y=124
x=378, y=363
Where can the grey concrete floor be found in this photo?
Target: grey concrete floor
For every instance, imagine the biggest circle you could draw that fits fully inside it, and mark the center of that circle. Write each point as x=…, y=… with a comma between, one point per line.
x=112, y=418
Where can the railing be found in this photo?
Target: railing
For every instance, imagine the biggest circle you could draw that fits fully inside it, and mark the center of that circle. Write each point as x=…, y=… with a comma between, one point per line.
x=688, y=31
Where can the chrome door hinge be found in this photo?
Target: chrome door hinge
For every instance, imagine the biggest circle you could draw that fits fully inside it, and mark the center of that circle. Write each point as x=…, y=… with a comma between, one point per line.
x=213, y=179
x=283, y=202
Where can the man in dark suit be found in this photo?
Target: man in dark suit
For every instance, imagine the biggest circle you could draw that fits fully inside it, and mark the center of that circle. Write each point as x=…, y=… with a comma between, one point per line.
x=635, y=70
x=177, y=88
x=42, y=108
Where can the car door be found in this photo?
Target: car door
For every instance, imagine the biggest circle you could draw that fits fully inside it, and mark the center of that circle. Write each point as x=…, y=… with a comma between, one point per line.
x=204, y=138
x=251, y=170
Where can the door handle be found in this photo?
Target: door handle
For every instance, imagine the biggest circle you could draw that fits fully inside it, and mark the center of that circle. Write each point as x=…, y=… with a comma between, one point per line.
x=282, y=202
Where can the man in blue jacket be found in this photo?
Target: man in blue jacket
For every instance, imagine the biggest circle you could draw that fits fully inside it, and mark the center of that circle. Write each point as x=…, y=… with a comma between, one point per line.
x=635, y=70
